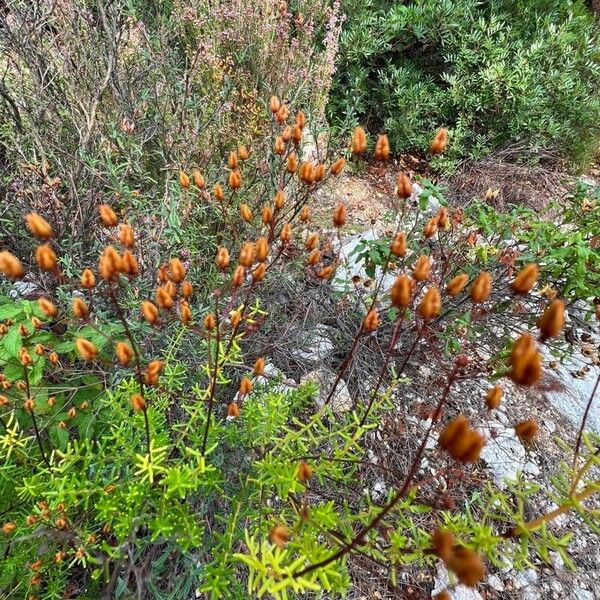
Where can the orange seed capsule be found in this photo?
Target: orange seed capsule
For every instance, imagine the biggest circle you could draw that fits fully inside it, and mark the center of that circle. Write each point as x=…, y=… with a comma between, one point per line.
x=494, y=397
x=186, y=289
x=245, y=386
x=267, y=214
x=527, y=430
x=233, y=410
x=279, y=200
x=359, y=141
x=247, y=254
x=339, y=215
x=430, y=228
x=243, y=153
x=259, y=366
x=262, y=249
x=371, y=321
x=47, y=307
x=126, y=236
x=325, y=272
x=88, y=279
x=279, y=536
x=312, y=241
x=292, y=163
x=184, y=180
x=301, y=119
x=138, y=403
x=38, y=226
x=149, y=311
x=124, y=353
x=440, y=141
x=238, y=276
x=210, y=322
x=235, y=180
x=431, y=304
x=86, y=349
x=185, y=313
x=286, y=233
x=232, y=160
x=80, y=309
x=401, y=292
x=314, y=258
x=107, y=215
x=304, y=472
x=457, y=284
x=482, y=287
x=382, y=148
x=338, y=166
x=164, y=298
x=10, y=265
x=245, y=213
x=525, y=279
x=198, y=180
x=176, y=270
x=305, y=214
x=279, y=146
x=130, y=264
x=223, y=258
x=218, y=192
x=403, y=186
x=525, y=361
x=422, y=268
x=274, y=104
x=46, y=257
x=398, y=247
x=552, y=320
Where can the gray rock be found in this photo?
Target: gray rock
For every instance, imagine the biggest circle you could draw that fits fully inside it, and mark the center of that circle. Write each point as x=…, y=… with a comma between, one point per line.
x=495, y=583
x=441, y=582
x=503, y=453
x=581, y=594
x=314, y=346
x=325, y=378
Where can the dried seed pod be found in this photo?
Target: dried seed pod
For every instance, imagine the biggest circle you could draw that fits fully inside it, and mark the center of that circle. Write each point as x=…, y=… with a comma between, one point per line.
x=223, y=258
x=279, y=536
x=403, y=186
x=72, y=412
x=245, y=213
x=245, y=386
x=149, y=311
x=314, y=258
x=457, y=284
x=339, y=215
x=482, y=287
x=198, y=179
x=325, y=272
x=186, y=289
x=467, y=566
x=164, y=298
x=401, y=292
x=247, y=254
x=493, y=398
x=304, y=472
x=318, y=173
x=46, y=258
x=184, y=180
x=267, y=214
x=525, y=279
x=359, y=141
x=38, y=226
x=301, y=119
x=10, y=265
x=440, y=141
x=527, y=430
x=39, y=349
x=80, y=309
x=233, y=410
x=262, y=249
x=430, y=228
x=86, y=349
x=382, y=148
x=235, y=318
x=398, y=247
x=431, y=304
x=282, y=114
x=443, y=220
x=218, y=192
x=274, y=104
x=24, y=357
x=235, y=180
x=296, y=134
x=338, y=166
x=53, y=358
x=443, y=542
x=371, y=320
x=138, y=403
x=306, y=173
x=259, y=273
x=130, y=264
x=422, y=268
x=286, y=134
x=210, y=322
x=243, y=153
x=163, y=273
x=525, y=361
x=312, y=241
x=259, y=366
x=232, y=160
x=305, y=214
x=279, y=146
x=47, y=307
x=176, y=270
x=124, y=353
x=8, y=527
x=552, y=321
x=126, y=236
x=185, y=313
x=238, y=276
x=107, y=215
x=292, y=163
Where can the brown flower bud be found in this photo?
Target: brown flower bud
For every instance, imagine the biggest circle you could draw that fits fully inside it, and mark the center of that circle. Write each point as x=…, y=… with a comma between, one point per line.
x=398, y=247
x=401, y=292
x=39, y=349
x=210, y=322
x=443, y=220
x=80, y=309
x=245, y=386
x=304, y=472
x=262, y=249
x=552, y=320
x=245, y=213
x=198, y=180
x=218, y=192
x=235, y=180
x=259, y=366
x=46, y=258
x=467, y=566
x=282, y=114
x=238, y=276
x=296, y=134
x=88, y=279
x=223, y=258
x=279, y=536
x=305, y=214
x=286, y=233
x=286, y=134
x=338, y=166
x=382, y=148
x=339, y=215
x=482, y=287
x=243, y=153
x=138, y=403
x=10, y=265
x=124, y=353
x=130, y=264
x=274, y=104
x=318, y=173
x=525, y=361
x=314, y=258
x=126, y=235
x=325, y=272
x=430, y=228
x=431, y=304
x=267, y=214
x=149, y=311
x=53, y=358
x=232, y=160
x=164, y=298
x=176, y=270
x=292, y=163
x=457, y=284
x=359, y=141
x=72, y=412
x=47, y=307
x=312, y=241
x=301, y=119
x=494, y=397
x=184, y=180
x=371, y=320
x=527, y=430
x=107, y=215
x=233, y=410
x=86, y=349
x=279, y=146
x=247, y=254
x=185, y=313
x=306, y=173
x=279, y=200
x=440, y=141
x=38, y=226
x=403, y=186
x=422, y=268
x=186, y=289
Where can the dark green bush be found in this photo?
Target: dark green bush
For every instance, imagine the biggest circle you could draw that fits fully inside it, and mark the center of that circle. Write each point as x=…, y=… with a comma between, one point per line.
x=494, y=72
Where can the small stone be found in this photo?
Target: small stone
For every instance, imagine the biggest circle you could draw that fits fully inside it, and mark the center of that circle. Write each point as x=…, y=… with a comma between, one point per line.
x=495, y=583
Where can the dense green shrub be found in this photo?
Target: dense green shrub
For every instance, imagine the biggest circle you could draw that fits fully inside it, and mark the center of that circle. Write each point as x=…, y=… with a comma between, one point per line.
x=495, y=72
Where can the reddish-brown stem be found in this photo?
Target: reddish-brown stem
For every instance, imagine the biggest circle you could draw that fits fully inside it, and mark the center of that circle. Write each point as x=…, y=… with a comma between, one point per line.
x=33, y=420
x=583, y=422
